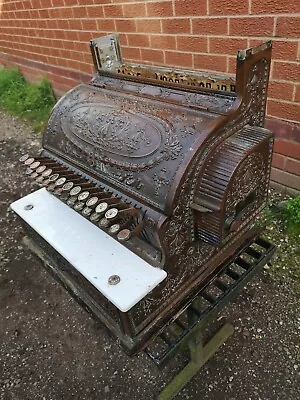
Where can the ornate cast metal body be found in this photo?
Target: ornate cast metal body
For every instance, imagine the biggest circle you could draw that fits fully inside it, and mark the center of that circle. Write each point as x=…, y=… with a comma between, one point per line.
x=187, y=150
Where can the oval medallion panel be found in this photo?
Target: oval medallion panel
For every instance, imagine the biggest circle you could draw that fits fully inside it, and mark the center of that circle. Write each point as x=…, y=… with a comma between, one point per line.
x=108, y=129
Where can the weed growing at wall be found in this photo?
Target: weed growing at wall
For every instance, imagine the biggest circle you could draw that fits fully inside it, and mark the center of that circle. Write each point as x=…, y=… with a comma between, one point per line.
x=292, y=212
x=282, y=220
x=30, y=101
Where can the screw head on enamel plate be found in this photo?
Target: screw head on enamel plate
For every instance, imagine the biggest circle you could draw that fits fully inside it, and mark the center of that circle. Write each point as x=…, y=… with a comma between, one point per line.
x=114, y=280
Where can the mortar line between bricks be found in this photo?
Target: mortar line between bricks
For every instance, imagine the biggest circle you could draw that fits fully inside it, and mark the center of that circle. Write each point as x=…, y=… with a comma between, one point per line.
x=234, y=16
x=275, y=25
x=249, y=6
x=281, y=101
x=217, y=35
x=294, y=93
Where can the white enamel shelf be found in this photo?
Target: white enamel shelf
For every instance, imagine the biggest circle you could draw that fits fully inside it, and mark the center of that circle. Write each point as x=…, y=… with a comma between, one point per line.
x=91, y=251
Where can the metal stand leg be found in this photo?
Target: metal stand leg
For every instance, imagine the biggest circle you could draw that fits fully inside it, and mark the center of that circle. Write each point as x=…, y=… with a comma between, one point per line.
x=199, y=355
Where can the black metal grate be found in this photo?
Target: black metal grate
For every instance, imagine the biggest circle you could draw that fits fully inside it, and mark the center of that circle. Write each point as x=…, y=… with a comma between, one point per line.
x=224, y=286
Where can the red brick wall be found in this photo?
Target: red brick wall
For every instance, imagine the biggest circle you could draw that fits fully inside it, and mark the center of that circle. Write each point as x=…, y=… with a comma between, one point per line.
x=50, y=37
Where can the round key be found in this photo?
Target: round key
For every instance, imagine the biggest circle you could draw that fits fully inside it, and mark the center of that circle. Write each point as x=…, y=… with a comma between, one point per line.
x=87, y=211
x=64, y=195
x=92, y=201
x=75, y=191
x=51, y=187
x=58, y=191
x=46, y=182
x=67, y=186
x=29, y=161
x=79, y=206
x=28, y=171
x=41, y=169
x=54, y=177
x=34, y=175
x=39, y=179
x=104, y=223
x=60, y=181
x=123, y=235
x=35, y=165
x=47, y=172
x=101, y=208
x=24, y=158
x=114, y=229
x=83, y=196
x=72, y=200
x=95, y=217
x=112, y=213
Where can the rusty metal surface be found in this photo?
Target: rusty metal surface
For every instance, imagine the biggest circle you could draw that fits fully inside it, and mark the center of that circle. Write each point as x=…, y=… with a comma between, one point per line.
x=175, y=172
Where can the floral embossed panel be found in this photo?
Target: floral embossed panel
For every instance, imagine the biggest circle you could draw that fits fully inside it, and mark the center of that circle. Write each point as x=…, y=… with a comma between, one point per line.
x=111, y=130
x=130, y=140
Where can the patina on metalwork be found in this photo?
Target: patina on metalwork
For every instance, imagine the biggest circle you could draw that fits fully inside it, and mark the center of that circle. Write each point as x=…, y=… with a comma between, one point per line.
x=174, y=165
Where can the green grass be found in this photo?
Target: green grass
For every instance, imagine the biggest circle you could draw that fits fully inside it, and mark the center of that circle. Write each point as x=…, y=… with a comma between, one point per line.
x=32, y=102
x=281, y=218
x=292, y=214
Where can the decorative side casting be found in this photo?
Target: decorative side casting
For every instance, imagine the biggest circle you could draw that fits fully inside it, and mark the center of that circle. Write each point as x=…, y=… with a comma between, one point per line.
x=252, y=110
x=250, y=178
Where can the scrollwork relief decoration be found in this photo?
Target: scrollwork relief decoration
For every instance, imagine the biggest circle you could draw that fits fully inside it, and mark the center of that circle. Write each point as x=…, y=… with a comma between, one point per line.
x=160, y=180
x=182, y=212
x=251, y=176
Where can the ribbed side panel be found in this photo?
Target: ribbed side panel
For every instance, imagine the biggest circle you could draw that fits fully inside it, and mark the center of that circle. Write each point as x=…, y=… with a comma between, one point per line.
x=218, y=172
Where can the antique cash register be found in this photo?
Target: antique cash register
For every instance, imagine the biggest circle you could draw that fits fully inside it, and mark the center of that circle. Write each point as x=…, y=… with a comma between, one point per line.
x=150, y=181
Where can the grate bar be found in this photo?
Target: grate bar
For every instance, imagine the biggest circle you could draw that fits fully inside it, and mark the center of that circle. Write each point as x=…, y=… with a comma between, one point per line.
x=209, y=297
x=232, y=274
x=180, y=324
x=242, y=263
x=229, y=291
x=253, y=253
x=165, y=339
x=221, y=285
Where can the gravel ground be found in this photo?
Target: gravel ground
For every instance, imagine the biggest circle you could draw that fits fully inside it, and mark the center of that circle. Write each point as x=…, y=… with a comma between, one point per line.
x=51, y=349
